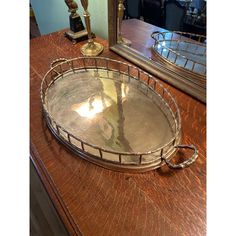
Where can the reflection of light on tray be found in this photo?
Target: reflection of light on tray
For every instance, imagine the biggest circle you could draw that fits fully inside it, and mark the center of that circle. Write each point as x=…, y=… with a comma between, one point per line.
x=97, y=104
x=90, y=108
x=161, y=44
x=124, y=91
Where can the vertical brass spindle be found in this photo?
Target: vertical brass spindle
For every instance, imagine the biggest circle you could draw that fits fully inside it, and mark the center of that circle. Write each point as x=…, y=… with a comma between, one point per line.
x=140, y=159
x=100, y=152
x=82, y=145
x=68, y=136
x=185, y=62
x=120, y=158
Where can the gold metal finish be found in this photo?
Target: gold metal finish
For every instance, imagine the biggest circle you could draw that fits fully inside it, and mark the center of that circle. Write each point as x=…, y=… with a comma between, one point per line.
x=91, y=48
x=111, y=113
x=120, y=14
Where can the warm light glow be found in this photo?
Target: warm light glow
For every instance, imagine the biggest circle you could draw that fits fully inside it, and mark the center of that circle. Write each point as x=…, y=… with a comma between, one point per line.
x=90, y=109
x=95, y=105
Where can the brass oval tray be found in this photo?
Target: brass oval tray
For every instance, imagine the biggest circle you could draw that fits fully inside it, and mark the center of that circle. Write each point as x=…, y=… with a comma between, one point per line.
x=185, y=51
x=112, y=114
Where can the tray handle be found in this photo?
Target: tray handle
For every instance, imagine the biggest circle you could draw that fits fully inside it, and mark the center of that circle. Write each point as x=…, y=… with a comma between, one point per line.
x=155, y=33
x=57, y=61
x=186, y=163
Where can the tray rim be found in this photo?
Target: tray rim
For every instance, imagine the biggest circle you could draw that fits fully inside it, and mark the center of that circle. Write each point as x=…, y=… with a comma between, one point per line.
x=108, y=164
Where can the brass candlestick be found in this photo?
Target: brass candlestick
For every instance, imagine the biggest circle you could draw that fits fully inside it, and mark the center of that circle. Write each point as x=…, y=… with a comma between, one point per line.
x=120, y=15
x=91, y=48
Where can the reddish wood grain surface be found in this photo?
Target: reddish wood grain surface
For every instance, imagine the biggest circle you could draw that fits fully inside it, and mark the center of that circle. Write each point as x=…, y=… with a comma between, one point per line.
x=92, y=200
x=139, y=32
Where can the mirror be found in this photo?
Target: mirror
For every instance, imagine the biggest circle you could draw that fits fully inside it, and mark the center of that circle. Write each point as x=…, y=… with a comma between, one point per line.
x=143, y=50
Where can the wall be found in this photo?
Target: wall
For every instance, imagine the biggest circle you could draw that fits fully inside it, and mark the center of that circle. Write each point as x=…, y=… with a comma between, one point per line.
x=53, y=15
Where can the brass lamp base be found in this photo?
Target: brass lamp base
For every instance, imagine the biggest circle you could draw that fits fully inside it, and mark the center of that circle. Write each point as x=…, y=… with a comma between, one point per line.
x=91, y=49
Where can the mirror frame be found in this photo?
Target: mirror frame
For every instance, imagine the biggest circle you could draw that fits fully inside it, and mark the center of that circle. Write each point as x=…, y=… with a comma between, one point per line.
x=166, y=73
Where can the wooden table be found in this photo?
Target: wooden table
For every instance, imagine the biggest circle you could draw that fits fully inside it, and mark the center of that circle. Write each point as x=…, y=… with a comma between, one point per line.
x=92, y=200
x=139, y=32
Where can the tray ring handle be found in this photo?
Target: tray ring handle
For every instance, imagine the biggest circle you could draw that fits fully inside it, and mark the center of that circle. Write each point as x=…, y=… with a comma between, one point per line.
x=185, y=163
x=58, y=61
x=155, y=33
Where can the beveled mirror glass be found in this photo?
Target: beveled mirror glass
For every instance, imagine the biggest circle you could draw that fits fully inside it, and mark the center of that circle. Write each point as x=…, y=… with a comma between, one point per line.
x=138, y=31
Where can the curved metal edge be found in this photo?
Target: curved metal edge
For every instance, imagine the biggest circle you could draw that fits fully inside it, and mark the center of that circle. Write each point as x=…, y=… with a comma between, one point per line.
x=186, y=163
x=181, y=68
x=59, y=60
x=129, y=168
x=181, y=34
x=197, y=79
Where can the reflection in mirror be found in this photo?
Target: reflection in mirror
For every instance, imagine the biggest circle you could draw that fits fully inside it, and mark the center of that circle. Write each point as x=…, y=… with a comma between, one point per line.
x=120, y=13
x=154, y=28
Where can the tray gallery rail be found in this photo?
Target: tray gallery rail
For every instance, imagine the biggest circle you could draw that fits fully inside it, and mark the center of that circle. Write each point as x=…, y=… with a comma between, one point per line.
x=185, y=51
x=112, y=114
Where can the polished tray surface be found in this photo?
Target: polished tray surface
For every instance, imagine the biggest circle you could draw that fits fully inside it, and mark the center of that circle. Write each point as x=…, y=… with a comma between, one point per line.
x=105, y=111
x=110, y=113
